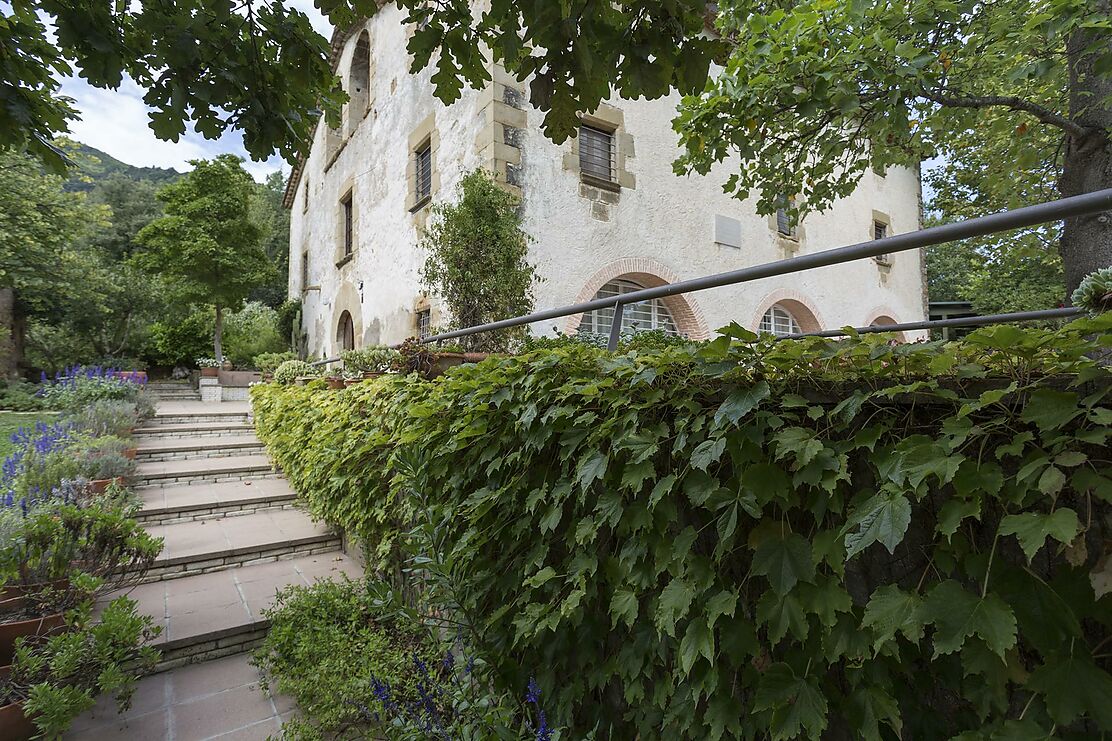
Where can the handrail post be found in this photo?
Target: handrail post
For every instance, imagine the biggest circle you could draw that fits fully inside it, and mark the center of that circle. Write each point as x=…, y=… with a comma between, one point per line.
x=615, y=327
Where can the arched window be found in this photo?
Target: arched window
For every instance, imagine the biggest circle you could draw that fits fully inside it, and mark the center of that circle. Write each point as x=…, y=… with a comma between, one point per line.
x=779, y=321
x=638, y=317
x=359, y=83
x=345, y=332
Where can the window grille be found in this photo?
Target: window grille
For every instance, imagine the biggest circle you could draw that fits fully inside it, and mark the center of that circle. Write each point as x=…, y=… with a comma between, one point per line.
x=424, y=323
x=638, y=317
x=779, y=321
x=304, y=270
x=784, y=225
x=423, y=157
x=880, y=231
x=345, y=204
x=596, y=153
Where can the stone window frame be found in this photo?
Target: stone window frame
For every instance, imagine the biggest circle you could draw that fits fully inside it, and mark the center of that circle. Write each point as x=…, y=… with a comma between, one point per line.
x=304, y=270
x=366, y=98
x=305, y=194
x=347, y=198
x=611, y=119
x=422, y=306
x=883, y=261
x=425, y=134
x=790, y=242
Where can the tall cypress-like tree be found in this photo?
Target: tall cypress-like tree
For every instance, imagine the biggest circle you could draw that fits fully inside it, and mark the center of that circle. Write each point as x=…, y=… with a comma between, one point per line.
x=208, y=245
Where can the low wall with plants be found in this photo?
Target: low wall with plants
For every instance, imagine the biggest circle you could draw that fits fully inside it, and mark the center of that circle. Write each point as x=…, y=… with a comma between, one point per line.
x=748, y=538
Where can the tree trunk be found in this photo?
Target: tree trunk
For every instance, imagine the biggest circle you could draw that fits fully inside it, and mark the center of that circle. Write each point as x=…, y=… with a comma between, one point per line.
x=217, y=335
x=1087, y=166
x=11, y=345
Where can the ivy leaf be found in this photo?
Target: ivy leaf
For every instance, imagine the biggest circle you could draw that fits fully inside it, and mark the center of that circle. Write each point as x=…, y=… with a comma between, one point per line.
x=957, y=613
x=662, y=487
x=707, y=452
x=624, y=607
x=882, y=519
x=1074, y=686
x=953, y=512
x=782, y=615
x=540, y=577
x=1032, y=528
x=1049, y=409
x=723, y=603
x=673, y=605
x=1052, y=481
x=697, y=641
x=891, y=610
x=741, y=402
x=636, y=474
x=785, y=561
x=825, y=599
x=875, y=705
x=796, y=704
x=592, y=467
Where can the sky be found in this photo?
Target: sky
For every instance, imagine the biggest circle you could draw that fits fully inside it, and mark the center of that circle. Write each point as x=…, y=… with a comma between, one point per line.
x=115, y=122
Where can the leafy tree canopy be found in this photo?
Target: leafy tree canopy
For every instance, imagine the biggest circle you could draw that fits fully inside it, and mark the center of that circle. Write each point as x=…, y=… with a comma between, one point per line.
x=208, y=245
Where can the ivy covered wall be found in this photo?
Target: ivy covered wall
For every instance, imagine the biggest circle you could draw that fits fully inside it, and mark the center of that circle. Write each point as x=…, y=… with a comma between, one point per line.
x=750, y=538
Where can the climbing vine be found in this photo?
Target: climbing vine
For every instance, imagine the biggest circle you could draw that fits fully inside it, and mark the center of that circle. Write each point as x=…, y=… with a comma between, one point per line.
x=751, y=538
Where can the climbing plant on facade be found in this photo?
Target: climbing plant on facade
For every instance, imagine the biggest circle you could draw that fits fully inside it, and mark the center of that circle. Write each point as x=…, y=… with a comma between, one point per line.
x=753, y=538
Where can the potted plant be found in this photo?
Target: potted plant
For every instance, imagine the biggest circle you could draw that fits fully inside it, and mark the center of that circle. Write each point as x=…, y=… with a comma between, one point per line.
x=210, y=367
x=413, y=356
x=102, y=470
x=53, y=680
x=292, y=371
x=335, y=380
x=369, y=362
x=1094, y=293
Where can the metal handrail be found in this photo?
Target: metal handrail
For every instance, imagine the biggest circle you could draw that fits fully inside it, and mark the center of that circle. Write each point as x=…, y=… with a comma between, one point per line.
x=968, y=321
x=1080, y=205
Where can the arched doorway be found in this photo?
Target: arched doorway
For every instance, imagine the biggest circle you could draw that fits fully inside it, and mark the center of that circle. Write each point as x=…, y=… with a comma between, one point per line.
x=345, y=332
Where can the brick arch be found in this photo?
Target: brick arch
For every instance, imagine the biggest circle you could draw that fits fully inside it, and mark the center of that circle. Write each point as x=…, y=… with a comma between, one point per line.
x=649, y=274
x=802, y=308
x=883, y=315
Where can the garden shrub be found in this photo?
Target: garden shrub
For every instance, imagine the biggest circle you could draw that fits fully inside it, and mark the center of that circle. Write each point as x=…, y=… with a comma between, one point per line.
x=268, y=362
x=749, y=537
x=79, y=386
x=175, y=343
x=252, y=331
x=329, y=645
x=19, y=396
x=290, y=370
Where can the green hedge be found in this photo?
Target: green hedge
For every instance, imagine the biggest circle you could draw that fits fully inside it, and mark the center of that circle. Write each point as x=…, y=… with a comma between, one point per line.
x=750, y=538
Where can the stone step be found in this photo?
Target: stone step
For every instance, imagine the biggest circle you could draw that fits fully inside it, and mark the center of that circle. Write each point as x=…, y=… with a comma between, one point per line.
x=204, y=616
x=168, y=504
x=175, y=418
x=203, y=470
x=190, y=448
x=194, y=429
x=176, y=395
x=202, y=546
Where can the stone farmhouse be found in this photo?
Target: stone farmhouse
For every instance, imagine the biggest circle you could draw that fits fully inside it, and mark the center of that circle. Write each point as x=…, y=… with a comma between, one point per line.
x=605, y=210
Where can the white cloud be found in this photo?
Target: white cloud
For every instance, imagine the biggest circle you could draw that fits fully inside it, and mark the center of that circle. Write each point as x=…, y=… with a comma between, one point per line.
x=116, y=122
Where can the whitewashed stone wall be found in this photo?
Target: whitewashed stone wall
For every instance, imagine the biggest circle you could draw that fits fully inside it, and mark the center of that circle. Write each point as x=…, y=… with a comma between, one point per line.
x=659, y=230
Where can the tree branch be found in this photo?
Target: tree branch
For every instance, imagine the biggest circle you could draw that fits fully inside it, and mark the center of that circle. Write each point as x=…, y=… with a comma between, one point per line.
x=1045, y=115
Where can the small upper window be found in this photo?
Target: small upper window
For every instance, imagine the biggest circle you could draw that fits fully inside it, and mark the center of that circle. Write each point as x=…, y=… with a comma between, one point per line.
x=779, y=321
x=424, y=323
x=304, y=270
x=784, y=225
x=423, y=160
x=597, y=158
x=880, y=231
x=305, y=195
x=349, y=236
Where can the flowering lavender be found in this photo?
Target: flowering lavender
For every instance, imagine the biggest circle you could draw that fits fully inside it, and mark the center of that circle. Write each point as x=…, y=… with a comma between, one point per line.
x=76, y=386
x=533, y=697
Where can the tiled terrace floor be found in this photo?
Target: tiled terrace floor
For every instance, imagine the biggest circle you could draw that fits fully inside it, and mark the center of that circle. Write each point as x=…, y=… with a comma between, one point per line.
x=219, y=699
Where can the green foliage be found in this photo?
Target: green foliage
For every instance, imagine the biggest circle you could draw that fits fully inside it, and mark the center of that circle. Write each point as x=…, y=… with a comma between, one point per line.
x=177, y=340
x=274, y=220
x=1094, y=291
x=289, y=322
x=252, y=331
x=291, y=370
x=370, y=359
x=19, y=396
x=208, y=245
x=60, y=678
x=326, y=644
x=748, y=537
x=477, y=260
x=268, y=362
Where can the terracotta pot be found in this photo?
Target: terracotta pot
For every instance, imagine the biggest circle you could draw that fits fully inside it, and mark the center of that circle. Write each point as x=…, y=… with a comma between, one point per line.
x=210, y=372
x=349, y=382
x=335, y=383
x=14, y=724
x=16, y=596
x=99, y=486
x=268, y=377
x=129, y=453
x=372, y=374
x=40, y=626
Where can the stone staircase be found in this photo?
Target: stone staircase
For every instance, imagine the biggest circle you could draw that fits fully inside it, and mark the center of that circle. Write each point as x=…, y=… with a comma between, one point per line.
x=232, y=532
x=174, y=390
